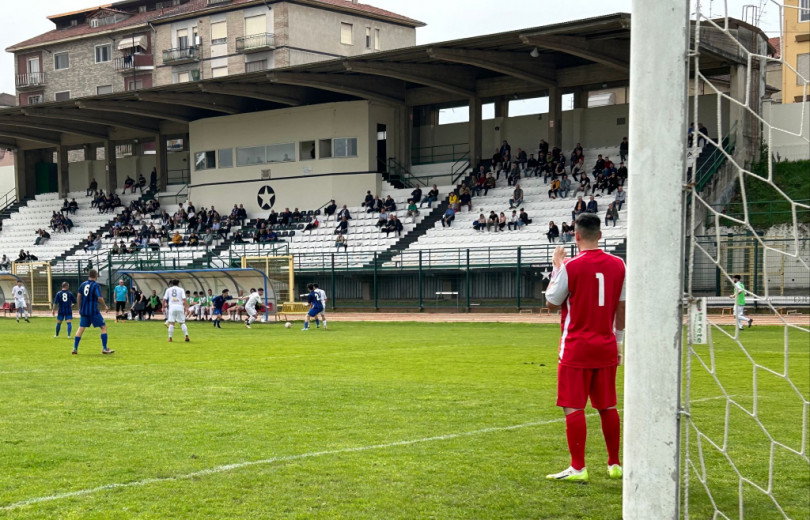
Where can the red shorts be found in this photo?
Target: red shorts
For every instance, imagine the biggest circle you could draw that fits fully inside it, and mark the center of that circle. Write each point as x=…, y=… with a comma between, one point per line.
x=576, y=385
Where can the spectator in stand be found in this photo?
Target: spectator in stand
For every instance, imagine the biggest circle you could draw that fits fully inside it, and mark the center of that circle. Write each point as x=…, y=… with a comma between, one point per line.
x=272, y=236
x=522, y=160
x=481, y=223
x=513, y=177
x=23, y=257
x=237, y=238
x=601, y=185
x=598, y=167
x=524, y=218
x=394, y=225
x=330, y=209
x=432, y=196
x=176, y=241
x=496, y=161
x=285, y=217
x=413, y=209
x=296, y=216
x=129, y=184
x=612, y=183
x=465, y=198
x=375, y=205
x=382, y=220
x=506, y=152
x=343, y=226
x=154, y=242
x=42, y=237
x=33, y=258
x=489, y=184
x=65, y=206
x=416, y=195
x=592, y=207
x=623, y=149
x=584, y=184
x=93, y=243
x=241, y=215
x=141, y=182
x=492, y=221
x=313, y=224
x=91, y=189
x=501, y=221
x=5, y=263
x=514, y=221
x=579, y=208
x=612, y=214
x=531, y=166
x=389, y=204
x=621, y=173
x=153, y=179
x=542, y=148
x=368, y=199
x=578, y=169
x=480, y=183
x=449, y=216
x=272, y=218
x=193, y=239
x=340, y=241
x=620, y=198
x=73, y=206
x=517, y=197
x=553, y=232
x=564, y=237
x=453, y=201
x=565, y=186
x=554, y=192
x=344, y=213
x=703, y=132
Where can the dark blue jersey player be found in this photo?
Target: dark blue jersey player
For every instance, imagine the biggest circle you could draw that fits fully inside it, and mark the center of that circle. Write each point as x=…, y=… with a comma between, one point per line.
x=218, y=303
x=63, y=302
x=89, y=298
x=315, y=305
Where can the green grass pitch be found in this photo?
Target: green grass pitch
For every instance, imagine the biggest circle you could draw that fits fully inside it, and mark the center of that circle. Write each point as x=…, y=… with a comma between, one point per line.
x=365, y=420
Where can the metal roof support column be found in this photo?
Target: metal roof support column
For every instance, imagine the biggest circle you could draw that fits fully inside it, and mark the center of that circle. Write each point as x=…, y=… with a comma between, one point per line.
x=554, y=117
x=111, y=165
x=161, y=162
x=475, y=131
x=62, y=169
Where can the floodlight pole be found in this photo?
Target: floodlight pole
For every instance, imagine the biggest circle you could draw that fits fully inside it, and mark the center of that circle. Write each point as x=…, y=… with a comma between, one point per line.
x=658, y=116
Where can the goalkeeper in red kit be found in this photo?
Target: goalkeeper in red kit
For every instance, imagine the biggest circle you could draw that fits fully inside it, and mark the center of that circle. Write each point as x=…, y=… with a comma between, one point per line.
x=589, y=289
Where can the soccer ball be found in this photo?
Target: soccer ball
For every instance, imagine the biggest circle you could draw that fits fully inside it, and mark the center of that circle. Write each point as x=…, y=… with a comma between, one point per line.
x=288, y=325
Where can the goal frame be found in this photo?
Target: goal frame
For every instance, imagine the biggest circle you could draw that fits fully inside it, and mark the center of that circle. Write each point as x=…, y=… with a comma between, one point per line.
x=32, y=283
x=266, y=259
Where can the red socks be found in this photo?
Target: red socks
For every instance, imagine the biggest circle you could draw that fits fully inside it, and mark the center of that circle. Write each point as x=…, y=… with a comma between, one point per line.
x=576, y=429
x=611, y=427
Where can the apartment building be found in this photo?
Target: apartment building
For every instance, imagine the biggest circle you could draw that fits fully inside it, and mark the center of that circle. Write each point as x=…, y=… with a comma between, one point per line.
x=796, y=51
x=135, y=44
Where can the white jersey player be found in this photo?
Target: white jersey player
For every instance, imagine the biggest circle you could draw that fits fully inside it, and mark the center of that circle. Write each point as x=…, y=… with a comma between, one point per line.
x=254, y=302
x=20, y=295
x=174, y=299
x=322, y=315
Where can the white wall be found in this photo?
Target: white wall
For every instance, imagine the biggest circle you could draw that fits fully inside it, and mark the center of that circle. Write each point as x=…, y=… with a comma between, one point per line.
x=790, y=138
x=7, y=180
x=304, y=183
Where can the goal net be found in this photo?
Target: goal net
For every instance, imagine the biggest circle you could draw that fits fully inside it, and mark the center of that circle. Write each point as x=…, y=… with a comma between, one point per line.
x=746, y=385
x=279, y=270
x=726, y=406
x=36, y=276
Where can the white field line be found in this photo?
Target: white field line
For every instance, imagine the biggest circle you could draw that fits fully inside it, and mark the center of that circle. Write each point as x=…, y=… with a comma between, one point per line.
x=287, y=458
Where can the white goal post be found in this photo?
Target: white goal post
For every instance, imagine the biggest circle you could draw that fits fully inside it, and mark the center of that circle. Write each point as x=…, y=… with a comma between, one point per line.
x=658, y=126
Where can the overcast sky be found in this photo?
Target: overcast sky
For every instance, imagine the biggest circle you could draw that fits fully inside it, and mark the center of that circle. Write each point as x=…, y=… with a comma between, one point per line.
x=445, y=19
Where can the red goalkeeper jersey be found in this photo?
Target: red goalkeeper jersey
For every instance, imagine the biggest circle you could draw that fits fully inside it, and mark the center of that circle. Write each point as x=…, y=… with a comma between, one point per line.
x=588, y=288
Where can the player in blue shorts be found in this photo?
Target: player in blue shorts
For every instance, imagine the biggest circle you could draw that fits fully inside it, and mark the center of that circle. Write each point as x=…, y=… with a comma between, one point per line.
x=64, y=301
x=89, y=298
x=315, y=305
x=218, y=303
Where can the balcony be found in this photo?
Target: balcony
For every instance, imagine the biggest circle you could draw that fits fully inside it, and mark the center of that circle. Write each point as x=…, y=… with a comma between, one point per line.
x=178, y=56
x=30, y=80
x=217, y=2
x=256, y=43
x=134, y=63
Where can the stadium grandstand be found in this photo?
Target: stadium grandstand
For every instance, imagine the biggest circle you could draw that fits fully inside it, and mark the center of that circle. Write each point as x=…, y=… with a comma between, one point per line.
x=251, y=164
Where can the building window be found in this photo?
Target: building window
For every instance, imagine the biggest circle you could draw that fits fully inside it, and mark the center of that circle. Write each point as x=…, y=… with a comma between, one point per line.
x=104, y=89
x=324, y=148
x=802, y=68
x=368, y=37
x=219, y=72
x=182, y=39
x=281, y=153
x=255, y=25
x=255, y=66
x=183, y=77
x=137, y=84
x=205, y=161
x=33, y=100
x=219, y=33
x=251, y=156
x=346, y=33
x=61, y=96
x=226, y=158
x=345, y=147
x=103, y=53
x=306, y=150
x=376, y=39
x=804, y=10
x=61, y=61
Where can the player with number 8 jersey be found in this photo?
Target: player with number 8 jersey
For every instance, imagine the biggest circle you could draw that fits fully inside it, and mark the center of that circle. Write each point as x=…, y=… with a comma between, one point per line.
x=590, y=290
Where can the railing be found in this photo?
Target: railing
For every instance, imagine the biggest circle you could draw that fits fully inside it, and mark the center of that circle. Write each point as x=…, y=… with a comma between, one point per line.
x=218, y=2
x=30, y=79
x=181, y=195
x=135, y=61
x=8, y=199
x=182, y=176
x=459, y=167
x=256, y=66
x=398, y=172
x=706, y=168
x=439, y=153
x=762, y=214
x=181, y=55
x=255, y=42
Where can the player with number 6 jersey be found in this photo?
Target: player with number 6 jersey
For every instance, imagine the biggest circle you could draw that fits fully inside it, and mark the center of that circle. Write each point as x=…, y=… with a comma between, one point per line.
x=89, y=298
x=590, y=290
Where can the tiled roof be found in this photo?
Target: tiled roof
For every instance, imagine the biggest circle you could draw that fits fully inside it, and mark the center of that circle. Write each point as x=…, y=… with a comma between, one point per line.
x=135, y=19
x=776, y=43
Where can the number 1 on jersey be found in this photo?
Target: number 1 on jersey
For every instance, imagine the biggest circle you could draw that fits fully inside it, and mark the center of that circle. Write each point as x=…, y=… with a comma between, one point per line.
x=601, y=278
